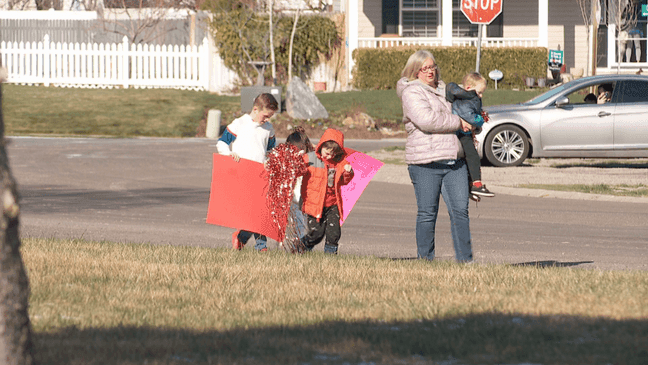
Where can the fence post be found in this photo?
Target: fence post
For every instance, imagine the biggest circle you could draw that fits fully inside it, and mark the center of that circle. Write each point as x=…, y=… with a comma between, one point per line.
x=211, y=72
x=125, y=55
x=213, y=123
x=205, y=72
x=46, y=61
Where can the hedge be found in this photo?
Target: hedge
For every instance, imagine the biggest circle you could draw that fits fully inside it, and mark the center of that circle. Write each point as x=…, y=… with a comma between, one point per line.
x=380, y=68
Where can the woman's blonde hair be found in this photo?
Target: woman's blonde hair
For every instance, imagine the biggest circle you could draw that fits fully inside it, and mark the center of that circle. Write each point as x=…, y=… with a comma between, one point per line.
x=414, y=64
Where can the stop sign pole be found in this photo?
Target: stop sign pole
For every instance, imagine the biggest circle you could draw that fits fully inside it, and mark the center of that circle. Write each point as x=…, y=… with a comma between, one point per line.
x=479, y=38
x=481, y=12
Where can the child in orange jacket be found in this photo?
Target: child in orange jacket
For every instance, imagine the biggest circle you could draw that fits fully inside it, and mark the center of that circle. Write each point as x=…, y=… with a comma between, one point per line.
x=328, y=171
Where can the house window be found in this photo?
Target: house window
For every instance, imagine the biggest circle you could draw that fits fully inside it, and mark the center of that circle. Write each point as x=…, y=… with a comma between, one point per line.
x=632, y=33
x=461, y=26
x=420, y=18
x=496, y=27
x=632, y=36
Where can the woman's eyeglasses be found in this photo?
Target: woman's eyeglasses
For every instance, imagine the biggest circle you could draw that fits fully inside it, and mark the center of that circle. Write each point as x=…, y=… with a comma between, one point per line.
x=429, y=68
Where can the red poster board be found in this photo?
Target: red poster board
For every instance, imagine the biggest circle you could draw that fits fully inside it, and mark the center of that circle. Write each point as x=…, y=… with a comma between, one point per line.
x=238, y=196
x=238, y=192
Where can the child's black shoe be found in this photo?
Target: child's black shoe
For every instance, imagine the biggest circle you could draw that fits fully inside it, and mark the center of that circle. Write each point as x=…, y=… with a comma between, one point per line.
x=481, y=191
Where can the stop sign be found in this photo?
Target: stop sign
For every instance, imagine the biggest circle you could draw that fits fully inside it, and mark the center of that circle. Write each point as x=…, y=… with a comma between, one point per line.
x=481, y=11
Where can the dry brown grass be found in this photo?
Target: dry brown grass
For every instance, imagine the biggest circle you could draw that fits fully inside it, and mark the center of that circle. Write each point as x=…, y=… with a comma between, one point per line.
x=98, y=303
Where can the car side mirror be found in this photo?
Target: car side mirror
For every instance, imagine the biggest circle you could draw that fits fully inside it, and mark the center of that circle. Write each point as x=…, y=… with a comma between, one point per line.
x=562, y=102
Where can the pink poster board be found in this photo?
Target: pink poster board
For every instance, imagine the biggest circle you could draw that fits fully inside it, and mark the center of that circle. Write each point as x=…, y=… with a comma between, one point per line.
x=364, y=168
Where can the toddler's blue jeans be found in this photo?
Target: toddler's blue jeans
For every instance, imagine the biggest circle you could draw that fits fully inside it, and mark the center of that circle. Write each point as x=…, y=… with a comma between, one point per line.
x=261, y=240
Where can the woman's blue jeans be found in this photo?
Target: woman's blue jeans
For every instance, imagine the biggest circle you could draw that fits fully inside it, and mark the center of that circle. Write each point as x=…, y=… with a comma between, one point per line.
x=449, y=179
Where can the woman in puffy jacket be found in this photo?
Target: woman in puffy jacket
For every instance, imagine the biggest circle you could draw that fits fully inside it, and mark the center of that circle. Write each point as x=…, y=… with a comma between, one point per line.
x=434, y=155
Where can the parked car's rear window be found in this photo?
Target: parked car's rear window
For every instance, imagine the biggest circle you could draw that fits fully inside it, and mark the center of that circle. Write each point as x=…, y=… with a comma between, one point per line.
x=634, y=91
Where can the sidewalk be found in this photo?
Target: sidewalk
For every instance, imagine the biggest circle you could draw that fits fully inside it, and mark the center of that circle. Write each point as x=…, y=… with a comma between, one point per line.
x=501, y=180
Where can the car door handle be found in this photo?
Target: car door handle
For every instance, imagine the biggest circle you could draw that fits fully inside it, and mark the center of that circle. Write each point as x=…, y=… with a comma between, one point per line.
x=604, y=114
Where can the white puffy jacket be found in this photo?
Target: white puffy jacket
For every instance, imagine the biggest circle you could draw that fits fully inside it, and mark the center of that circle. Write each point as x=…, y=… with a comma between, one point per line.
x=431, y=127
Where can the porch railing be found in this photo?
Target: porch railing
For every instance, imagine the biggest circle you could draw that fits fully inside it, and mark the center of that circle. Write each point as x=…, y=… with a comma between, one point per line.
x=436, y=42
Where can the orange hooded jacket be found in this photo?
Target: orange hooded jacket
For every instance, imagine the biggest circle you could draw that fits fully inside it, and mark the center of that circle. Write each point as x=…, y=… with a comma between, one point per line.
x=314, y=186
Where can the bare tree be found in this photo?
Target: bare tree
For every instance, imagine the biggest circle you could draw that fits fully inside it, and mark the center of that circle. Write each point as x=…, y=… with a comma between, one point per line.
x=49, y=4
x=238, y=19
x=18, y=4
x=89, y=5
x=15, y=329
x=141, y=21
x=586, y=11
x=290, y=49
x=271, y=32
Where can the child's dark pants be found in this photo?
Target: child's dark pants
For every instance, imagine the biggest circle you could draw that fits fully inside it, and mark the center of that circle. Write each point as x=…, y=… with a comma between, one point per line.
x=472, y=157
x=328, y=225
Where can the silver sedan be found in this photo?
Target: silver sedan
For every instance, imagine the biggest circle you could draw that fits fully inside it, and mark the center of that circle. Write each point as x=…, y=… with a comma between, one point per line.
x=593, y=117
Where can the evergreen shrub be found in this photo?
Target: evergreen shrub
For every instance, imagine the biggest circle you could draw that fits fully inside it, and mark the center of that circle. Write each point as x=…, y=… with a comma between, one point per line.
x=380, y=68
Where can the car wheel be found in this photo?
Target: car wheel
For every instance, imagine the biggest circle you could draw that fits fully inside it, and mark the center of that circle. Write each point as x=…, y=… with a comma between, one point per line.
x=506, y=145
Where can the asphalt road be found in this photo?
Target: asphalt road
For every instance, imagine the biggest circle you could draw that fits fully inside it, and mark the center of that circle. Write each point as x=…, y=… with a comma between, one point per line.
x=157, y=191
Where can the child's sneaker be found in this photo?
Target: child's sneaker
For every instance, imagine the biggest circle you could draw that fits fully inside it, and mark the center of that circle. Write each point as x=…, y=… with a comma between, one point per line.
x=265, y=249
x=236, y=244
x=481, y=191
x=475, y=198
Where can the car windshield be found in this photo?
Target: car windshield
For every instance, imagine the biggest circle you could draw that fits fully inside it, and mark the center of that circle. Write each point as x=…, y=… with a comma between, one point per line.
x=542, y=97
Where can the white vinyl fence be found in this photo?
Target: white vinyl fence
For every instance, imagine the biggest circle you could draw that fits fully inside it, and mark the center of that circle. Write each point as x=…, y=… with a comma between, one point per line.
x=92, y=65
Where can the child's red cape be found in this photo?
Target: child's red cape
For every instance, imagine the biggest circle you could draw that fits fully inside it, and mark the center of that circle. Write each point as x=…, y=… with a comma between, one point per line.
x=238, y=192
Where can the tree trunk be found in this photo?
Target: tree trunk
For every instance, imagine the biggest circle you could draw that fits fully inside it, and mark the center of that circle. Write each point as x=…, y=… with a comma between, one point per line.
x=272, y=52
x=290, y=48
x=15, y=329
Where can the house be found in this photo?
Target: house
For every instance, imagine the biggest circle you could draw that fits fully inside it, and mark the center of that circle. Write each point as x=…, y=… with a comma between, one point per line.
x=555, y=24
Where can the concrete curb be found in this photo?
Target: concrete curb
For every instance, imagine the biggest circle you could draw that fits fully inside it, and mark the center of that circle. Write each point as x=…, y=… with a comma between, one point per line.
x=398, y=174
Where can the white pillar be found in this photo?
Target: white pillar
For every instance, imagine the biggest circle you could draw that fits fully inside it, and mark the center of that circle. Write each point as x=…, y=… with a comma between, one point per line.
x=211, y=60
x=400, y=18
x=446, y=23
x=352, y=36
x=543, y=23
x=612, y=46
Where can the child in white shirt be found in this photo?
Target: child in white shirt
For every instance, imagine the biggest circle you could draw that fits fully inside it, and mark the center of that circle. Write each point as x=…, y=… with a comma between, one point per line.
x=250, y=137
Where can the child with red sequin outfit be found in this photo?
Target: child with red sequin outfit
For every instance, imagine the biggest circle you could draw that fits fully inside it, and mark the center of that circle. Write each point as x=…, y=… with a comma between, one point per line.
x=296, y=220
x=328, y=171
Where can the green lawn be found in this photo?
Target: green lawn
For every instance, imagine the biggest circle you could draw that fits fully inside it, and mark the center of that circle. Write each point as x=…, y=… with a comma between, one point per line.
x=38, y=110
